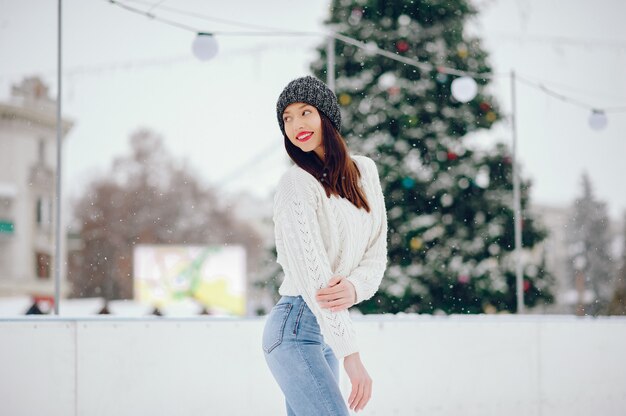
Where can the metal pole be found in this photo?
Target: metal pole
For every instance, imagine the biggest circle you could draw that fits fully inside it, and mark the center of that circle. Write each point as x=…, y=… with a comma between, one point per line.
x=517, y=210
x=57, y=229
x=330, y=65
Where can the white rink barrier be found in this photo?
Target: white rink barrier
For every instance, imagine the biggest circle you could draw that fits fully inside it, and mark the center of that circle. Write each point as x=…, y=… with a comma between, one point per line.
x=485, y=365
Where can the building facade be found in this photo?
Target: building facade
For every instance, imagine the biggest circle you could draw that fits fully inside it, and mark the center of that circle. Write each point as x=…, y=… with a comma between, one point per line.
x=27, y=192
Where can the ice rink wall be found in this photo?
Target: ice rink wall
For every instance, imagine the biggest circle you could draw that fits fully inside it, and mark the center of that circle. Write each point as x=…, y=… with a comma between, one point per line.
x=490, y=365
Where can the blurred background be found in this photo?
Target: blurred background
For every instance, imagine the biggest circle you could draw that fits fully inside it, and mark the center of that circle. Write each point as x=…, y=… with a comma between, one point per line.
x=171, y=151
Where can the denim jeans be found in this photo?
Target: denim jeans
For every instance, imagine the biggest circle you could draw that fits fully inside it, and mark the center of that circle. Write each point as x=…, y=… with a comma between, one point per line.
x=304, y=366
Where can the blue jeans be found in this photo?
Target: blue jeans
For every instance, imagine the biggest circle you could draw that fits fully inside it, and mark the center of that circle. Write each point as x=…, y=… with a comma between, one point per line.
x=304, y=366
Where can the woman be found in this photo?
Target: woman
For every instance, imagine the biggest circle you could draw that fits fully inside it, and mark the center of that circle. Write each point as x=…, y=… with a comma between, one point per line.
x=331, y=241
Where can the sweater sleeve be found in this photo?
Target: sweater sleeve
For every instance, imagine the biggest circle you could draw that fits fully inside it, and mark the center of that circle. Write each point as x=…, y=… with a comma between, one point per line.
x=301, y=252
x=366, y=277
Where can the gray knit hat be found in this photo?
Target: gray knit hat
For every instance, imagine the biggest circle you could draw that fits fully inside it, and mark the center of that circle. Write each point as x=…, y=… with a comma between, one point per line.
x=312, y=91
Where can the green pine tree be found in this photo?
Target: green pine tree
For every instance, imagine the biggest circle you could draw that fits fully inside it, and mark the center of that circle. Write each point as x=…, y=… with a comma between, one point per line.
x=449, y=207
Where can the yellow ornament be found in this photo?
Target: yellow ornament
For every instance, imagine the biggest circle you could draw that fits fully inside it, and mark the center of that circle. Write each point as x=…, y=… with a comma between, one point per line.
x=489, y=308
x=462, y=51
x=490, y=116
x=344, y=99
x=415, y=243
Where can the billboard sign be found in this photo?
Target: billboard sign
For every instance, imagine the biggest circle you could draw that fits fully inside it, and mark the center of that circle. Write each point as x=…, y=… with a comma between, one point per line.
x=213, y=276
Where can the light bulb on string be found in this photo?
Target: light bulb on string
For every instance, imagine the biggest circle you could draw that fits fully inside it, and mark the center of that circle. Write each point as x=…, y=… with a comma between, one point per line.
x=597, y=120
x=386, y=80
x=371, y=48
x=204, y=46
x=464, y=89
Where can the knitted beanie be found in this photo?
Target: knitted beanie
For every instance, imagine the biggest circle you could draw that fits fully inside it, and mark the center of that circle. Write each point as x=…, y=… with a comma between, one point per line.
x=312, y=91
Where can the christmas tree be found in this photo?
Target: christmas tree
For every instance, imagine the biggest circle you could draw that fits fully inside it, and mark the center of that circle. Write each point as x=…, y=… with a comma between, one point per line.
x=449, y=207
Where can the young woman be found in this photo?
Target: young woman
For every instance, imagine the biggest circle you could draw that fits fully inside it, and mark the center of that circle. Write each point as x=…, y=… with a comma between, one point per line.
x=331, y=241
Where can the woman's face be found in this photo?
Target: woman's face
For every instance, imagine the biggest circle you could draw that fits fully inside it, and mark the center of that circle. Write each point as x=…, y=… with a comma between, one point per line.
x=303, y=126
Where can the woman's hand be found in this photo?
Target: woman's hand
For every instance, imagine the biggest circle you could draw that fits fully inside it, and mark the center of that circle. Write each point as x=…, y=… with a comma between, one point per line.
x=361, y=382
x=339, y=295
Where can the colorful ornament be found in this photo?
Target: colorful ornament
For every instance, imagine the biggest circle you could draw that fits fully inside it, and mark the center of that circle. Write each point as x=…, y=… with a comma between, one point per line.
x=395, y=90
x=452, y=156
x=416, y=243
x=408, y=182
x=344, y=99
x=491, y=116
x=526, y=285
x=489, y=308
x=462, y=51
x=484, y=106
x=402, y=46
x=463, y=278
x=441, y=77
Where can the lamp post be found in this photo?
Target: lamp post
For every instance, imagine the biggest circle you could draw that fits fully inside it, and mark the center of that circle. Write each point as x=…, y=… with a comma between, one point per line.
x=330, y=66
x=517, y=210
x=58, y=228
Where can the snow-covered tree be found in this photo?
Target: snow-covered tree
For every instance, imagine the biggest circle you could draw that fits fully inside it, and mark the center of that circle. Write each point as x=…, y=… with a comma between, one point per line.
x=589, y=238
x=147, y=197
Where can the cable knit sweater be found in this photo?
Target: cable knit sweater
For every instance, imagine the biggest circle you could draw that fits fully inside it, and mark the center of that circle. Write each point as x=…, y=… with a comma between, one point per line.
x=318, y=237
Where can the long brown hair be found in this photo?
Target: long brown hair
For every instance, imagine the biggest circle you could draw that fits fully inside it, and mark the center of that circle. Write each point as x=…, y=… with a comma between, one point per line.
x=337, y=173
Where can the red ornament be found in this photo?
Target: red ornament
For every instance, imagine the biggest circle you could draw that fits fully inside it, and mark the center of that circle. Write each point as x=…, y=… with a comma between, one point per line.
x=393, y=90
x=526, y=285
x=484, y=106
x=402, y=46
x=507, y=160
x=452, y=156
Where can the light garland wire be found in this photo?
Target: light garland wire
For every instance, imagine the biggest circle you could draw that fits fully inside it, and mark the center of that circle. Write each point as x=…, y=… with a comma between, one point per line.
x=540, y=86
x=208, y=18
x=575, y=89
x=424, y=66
x=133, y=64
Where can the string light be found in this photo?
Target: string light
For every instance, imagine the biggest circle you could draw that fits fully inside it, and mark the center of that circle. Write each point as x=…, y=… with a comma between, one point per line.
x=204, y=46
x=463, y=88
x=597, y=120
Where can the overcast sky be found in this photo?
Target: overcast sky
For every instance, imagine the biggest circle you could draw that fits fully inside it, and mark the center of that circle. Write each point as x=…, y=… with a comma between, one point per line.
x=124, y=71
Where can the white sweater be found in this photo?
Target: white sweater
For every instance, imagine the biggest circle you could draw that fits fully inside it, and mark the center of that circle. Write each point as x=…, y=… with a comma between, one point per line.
x=319, y=237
